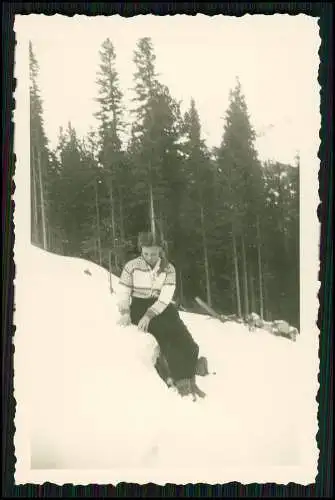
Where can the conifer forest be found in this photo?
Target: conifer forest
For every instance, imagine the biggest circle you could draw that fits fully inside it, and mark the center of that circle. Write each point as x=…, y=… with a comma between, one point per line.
x=231, y=222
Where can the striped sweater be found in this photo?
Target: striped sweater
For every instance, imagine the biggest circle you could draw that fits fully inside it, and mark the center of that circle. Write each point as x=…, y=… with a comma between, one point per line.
x=139, y=280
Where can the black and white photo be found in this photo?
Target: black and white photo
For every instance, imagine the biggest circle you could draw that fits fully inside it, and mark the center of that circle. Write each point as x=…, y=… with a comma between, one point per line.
x=166, y=246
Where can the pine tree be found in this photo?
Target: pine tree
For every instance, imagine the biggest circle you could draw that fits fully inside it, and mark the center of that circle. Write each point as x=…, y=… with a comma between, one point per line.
x=232, y=226
x=54, y=193
x=155, y=155
x=111, y=128
x=281, y=235
x=146, y=82
x=197, y=172
x=39, y=159
x=146, y=129
x=74, y=189
x=241, y=183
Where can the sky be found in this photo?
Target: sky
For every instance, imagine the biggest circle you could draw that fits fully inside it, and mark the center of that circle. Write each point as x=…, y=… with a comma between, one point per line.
x=275, y=58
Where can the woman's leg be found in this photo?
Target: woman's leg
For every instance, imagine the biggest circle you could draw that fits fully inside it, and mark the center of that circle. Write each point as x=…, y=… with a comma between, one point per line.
x=138, y=308
x=176, y=343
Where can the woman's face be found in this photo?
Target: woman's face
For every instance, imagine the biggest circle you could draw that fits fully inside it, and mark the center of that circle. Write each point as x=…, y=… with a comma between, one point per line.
x=151, y=254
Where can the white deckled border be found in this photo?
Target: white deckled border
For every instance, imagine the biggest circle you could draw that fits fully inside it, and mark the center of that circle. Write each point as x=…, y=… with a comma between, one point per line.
x=309, y=234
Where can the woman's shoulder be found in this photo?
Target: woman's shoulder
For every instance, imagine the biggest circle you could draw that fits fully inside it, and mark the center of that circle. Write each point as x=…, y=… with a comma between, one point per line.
x=170, y=268
x=132, y=264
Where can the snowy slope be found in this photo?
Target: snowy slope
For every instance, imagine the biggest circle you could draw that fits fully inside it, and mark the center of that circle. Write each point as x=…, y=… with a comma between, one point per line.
x=96, y=401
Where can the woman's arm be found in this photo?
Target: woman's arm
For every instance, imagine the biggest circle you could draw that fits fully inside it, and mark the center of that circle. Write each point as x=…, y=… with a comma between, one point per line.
x=125, y=289
x=166, y=294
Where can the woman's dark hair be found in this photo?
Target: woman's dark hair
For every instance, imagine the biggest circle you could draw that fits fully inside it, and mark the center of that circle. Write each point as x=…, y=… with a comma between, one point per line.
x=148, y=239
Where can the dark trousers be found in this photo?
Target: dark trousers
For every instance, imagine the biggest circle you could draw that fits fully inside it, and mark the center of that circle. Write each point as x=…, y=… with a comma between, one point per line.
x=175, y=341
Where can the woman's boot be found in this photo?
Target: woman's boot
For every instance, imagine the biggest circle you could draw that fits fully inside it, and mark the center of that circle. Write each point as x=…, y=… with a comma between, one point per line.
x=184, y=386
x=195, y=389
x=202, y=367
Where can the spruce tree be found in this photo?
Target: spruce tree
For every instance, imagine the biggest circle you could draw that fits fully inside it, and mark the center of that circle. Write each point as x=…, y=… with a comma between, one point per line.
x=197, y=171
x=144, y=145
x=74, y=188
x=281, y=236
x=155, y=155
x=112, y=156
x=240, y=178
x=39, y=159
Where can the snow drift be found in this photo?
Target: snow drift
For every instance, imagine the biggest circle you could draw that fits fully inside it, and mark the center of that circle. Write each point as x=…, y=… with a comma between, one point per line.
x=96, y=402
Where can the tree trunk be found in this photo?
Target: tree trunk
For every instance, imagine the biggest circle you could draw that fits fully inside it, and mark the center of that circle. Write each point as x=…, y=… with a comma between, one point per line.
x=265, y=293
x=122, y=231
x=161, y=227
x=282, y=223
x=237, y=278
x=96, y=252
x=112, y=209
x=49, y=239
x=110, y=272
x=98, y=222
x=111, y=201
x=252, y=292
x=35, y=231
x=152, y=212
x=44, y=229
x=181, y=288
x=204, y=241
x=245, y=279
x=260, y=272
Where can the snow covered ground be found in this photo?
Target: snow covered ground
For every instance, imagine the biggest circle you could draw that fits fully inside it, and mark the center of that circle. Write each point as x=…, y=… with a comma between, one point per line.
x=96, y=402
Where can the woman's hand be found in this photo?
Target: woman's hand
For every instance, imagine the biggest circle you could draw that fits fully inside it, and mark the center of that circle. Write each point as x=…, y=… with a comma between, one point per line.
x=125, y=320
x=144, y=323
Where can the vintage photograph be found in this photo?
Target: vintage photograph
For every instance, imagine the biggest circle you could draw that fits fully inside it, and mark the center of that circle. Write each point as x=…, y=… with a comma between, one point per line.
x=166, y=248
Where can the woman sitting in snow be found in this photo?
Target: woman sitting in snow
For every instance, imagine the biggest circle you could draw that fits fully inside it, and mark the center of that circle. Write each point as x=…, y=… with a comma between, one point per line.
x=147, y=286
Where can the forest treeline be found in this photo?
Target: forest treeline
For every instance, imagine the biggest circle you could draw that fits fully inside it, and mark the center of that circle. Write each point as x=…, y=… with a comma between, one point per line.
x=230, y=220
